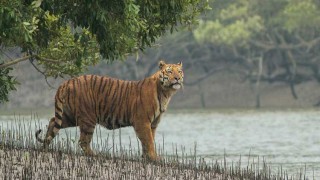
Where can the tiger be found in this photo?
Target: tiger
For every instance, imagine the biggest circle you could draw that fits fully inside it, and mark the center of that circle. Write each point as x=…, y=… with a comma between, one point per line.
x=88, y=100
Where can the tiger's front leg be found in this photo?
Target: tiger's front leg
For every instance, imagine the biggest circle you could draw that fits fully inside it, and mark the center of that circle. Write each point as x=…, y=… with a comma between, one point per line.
x=86, y=133
x=144, y=133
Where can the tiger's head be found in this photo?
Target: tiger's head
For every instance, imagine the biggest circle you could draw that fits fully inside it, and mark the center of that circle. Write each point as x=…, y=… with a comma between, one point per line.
x=171, y=75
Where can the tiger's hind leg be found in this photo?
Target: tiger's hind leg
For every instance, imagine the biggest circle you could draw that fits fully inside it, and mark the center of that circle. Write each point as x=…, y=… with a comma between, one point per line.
x=86, y=133
x=49, y=134
x=52, y=131
x=56, y=123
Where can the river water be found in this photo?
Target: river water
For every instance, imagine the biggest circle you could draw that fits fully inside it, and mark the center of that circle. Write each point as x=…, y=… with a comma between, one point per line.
x=288, y=139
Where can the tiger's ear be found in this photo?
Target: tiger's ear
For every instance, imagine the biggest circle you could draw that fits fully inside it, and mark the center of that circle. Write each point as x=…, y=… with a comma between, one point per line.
x=180, y=63
x=161, y=64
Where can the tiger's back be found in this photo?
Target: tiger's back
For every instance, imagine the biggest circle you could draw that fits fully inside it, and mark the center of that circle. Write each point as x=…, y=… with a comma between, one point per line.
x=110, y=102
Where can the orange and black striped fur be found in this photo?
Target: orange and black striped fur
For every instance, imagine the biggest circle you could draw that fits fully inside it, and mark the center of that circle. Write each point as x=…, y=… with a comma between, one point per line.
x=87, y=100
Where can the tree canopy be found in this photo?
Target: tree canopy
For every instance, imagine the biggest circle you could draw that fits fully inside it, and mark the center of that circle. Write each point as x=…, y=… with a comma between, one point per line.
x=273, y=41
x=64, y=37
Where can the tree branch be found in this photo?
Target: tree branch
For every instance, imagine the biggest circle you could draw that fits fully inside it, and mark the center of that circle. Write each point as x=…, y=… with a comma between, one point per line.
x=43, y=73
x=46, y=59
x=10, y=63
x=268, y=46
x=207, y=75
x=16, y=61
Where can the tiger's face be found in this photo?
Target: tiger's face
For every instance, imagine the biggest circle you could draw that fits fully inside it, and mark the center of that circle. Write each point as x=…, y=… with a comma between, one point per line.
x=171, y=75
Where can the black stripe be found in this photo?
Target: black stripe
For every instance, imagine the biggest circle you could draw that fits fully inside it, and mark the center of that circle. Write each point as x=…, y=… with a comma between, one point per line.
x=124, y=118
x=111, y=108
x=164, y=94
x=99, y=99
x=69, y=94
x=85, y=87
x=128, y=108
x=136, y=106
x=154, y=113
x=107, y=112
x=69, y=120
x=56, y=125
x=87, y=90
x=87, y=133
x=110, y=88
x=99, y=112
x=57, y=107
x=110, y=114
x=87, y=123
x=90, y=95
x=85, y=93
x=94, y=96
x=159, y=100
x=141, y=101
x=74, y=96
x=100, y=84
x=127, y=89
x=117, y=123
x=119, y=104
x=57, y=115
x=85, y=102
x=137, y=92
x=148, y=115
x=58, y=94
x=120, y=95
x=83, y=84
x=106, y=98
x=95, y=109
x=91, y=81
x=109, y=124
x=94, y=81
x=104, y=85
x=123, y=96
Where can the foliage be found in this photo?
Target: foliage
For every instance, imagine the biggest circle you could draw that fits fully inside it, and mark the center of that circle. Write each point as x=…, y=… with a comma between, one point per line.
x=123, y=27
x=64, y=37
x=69, y=55
x=233, y=25
x=301, y=15
x=7, y=83
x=274, y=40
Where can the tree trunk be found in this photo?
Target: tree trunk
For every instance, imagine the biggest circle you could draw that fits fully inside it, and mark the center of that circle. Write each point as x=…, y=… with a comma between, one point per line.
x=258, y=83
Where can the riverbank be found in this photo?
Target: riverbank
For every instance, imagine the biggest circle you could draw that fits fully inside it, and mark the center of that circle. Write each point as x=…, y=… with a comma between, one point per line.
x=35, y=164
x=16, y=163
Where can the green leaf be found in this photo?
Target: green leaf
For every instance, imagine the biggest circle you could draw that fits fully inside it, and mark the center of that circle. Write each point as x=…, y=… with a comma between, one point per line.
x=26, y=23
x=36, y=4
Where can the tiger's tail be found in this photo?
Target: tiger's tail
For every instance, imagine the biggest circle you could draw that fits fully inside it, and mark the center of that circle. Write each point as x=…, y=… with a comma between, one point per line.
x=38, y=138
x=51, y=132
x=55, y=123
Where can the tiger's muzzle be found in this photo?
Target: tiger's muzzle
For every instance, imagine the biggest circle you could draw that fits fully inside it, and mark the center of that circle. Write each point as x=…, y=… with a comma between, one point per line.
x=177, y=83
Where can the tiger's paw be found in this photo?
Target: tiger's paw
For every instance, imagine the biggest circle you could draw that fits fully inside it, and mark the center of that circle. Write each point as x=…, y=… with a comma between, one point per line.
x=152, y=158
x=88, y=152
